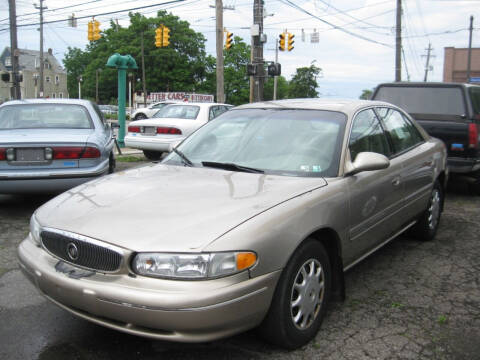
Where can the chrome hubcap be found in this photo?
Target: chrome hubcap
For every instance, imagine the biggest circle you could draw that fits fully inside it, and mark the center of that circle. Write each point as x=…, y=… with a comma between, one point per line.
x=307, y=294
x=434, y=209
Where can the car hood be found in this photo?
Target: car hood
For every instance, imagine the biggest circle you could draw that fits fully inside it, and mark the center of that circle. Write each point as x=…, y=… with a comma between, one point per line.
x=168, y=208
x=44, y=136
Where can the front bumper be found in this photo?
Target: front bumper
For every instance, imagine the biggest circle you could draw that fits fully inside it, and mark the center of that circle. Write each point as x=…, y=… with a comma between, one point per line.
x=154, y=143
x=185, y=311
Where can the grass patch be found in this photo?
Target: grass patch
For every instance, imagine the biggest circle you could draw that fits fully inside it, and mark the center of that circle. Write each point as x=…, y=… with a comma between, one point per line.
x=129, y=158
x=442, y=319
x=397, y=305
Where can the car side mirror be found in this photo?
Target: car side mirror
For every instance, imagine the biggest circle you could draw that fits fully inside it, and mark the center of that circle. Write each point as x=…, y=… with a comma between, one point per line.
x=367, y=161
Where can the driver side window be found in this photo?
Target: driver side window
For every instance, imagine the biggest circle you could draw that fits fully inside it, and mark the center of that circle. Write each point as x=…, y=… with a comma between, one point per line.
x=367, y=135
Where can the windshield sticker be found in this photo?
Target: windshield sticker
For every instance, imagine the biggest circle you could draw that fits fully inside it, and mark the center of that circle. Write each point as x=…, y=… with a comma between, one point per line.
x=316, y=168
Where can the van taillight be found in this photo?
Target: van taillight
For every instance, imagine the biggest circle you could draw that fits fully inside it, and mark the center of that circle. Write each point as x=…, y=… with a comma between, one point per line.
x=169, y=130
x=2, y=153
x=472, y=135
x=134, y=129
x=75, y=152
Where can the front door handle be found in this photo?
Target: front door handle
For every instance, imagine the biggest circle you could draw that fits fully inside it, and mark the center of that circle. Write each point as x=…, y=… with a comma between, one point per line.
x=396, y=181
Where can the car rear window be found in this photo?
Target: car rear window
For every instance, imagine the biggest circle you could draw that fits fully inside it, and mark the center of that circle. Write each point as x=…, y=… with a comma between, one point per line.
x=44, y=116
x=474, y=93
x=424, y=100
x=179, y=112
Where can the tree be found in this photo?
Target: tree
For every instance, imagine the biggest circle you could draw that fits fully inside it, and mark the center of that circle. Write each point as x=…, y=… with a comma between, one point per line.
x=282, y=88
x=304, y=82
x=366, y=94
x=237, y=83
x=179, y=67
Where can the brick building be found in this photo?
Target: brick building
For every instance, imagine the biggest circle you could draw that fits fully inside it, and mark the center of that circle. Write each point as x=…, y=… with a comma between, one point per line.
x=455, y=64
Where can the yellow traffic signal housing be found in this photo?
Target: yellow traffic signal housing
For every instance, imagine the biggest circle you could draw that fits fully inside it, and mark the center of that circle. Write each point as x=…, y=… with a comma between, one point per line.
x=96, y=30
x=165, y=36
x=281, y=45
x=90, y=31
x=290, y=41
x=228, y=40
x=158, y=37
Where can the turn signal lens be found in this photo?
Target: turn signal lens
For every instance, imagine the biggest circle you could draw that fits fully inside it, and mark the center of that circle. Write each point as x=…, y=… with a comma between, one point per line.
x=10, y=154
x=75, y=152
x=245, y=260
x=472, y=135
x=169, y=131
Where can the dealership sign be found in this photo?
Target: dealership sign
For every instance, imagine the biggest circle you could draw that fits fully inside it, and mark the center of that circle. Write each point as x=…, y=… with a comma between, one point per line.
x=179, y=96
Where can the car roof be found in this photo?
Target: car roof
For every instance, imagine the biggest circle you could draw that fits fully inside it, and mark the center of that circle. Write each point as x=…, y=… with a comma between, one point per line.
x=427, y=84
x=49, y=101
x=341, y=105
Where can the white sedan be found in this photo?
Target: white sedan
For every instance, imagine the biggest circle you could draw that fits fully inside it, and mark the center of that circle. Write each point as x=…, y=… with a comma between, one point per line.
x=169, y=126
x=149, y=111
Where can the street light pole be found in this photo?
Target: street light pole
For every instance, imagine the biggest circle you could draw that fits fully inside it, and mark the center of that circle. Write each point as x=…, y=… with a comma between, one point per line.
x=96, y=85
x=80, y=79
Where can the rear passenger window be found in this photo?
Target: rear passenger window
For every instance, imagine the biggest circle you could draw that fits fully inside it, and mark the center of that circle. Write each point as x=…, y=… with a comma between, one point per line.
x=367, y=135
x=403, y=134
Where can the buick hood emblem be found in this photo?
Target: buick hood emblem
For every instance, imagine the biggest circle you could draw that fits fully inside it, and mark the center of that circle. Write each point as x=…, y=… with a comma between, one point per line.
x=72, y=251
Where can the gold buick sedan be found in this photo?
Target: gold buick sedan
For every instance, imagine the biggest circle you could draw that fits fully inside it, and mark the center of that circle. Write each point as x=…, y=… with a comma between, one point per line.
x=250, y=222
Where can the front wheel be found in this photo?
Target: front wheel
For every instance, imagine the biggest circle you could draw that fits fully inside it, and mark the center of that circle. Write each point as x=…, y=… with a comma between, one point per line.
x=300, y=299
x=427, y=226
x=112, y=163
x=140, y=116
x=152, y=155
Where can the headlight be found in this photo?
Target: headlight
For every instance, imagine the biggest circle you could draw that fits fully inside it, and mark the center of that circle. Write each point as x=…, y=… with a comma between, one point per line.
x=35, y=229
x=192, y=266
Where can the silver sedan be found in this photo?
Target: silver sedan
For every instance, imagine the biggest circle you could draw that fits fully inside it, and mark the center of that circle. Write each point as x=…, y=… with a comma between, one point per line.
x=250, y=222
x=52, y=145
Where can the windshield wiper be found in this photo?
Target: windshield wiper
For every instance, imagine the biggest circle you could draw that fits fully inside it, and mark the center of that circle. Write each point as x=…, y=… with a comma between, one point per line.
x=231, y=166
x=185, y=159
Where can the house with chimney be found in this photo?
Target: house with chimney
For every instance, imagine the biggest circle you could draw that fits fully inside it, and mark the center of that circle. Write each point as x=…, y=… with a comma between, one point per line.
x=55, y=76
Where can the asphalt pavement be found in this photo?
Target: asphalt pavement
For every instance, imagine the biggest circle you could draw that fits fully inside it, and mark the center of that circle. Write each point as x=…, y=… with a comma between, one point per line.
x=409, y=300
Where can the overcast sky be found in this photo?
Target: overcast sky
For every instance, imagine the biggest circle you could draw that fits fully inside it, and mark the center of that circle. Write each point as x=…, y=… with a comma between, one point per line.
x=356, y=48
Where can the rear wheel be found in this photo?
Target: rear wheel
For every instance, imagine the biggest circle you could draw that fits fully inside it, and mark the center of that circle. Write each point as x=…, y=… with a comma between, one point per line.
x=427, y=225
x=152, y=155
x=140, y=116
x=300, y=299
x=112, y=163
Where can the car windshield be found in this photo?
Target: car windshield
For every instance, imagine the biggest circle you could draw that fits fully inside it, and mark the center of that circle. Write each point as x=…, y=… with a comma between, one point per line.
x=179, y=111
x=424, y=100
x=48, y=116
x=276, y=141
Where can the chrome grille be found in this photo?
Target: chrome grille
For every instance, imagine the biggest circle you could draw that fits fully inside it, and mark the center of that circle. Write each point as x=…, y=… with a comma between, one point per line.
x=88, y=255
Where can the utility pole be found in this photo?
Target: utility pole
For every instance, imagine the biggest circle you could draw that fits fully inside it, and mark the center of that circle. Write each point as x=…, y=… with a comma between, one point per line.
x=16, y=94
x=469, y=61
x=219, y=44
x=275, y=78
x=143, y=76
x=257, y=45
x=42, y=64
x=398, y=43
x=97, y=100
x=427, y=65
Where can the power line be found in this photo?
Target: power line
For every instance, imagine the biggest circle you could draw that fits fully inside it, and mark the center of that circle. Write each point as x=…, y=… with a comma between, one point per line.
x=290, y=3
x=106, y=13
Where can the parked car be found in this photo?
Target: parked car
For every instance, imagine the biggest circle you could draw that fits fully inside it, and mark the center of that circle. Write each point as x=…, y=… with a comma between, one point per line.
x=108, y=109
x=149, y=111
x=448, y=111
x=52, y=145
x=169, y=126
x=251, y=221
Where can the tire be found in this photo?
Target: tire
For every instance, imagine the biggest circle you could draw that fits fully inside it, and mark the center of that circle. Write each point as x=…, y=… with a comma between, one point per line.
x=427, y=226
x=307, y=269
x=112, y=163
x=152, y=155
x=140, y=116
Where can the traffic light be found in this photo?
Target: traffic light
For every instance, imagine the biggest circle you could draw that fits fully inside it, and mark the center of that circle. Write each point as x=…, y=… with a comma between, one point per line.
x=290, y=41
x=90, y=31
x=281, y=47
x=158, y=37
x=5, y=77
x=229, y=40
x=96, y=30
x=165, y=36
